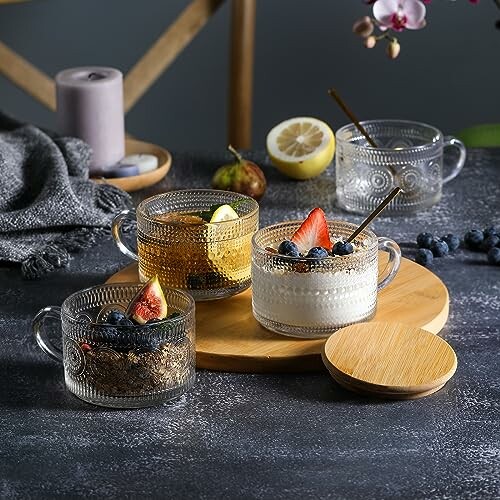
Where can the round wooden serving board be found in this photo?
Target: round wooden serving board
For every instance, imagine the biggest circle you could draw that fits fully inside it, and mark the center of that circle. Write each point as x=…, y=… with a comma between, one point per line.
x=228, y=338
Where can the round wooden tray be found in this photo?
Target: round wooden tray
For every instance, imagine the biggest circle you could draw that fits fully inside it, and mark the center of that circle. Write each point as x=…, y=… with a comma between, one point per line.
x=228, y=338
x=142, y=181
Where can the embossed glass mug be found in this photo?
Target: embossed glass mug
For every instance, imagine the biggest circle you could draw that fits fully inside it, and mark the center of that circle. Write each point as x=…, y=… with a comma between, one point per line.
x=409, y=155
x=209, y=260
x=311, y=298
x=121, y=366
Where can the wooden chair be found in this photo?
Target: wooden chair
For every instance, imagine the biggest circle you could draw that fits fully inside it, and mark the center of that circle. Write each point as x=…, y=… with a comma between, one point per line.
x=158, y=58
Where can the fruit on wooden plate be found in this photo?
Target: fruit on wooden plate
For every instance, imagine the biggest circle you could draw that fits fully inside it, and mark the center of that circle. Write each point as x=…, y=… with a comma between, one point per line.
x=301, y=147
x=241, y=176
x=313, y=232
x=149, y=303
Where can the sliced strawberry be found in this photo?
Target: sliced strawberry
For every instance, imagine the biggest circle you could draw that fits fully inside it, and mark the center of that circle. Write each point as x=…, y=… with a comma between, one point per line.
x=313, y=232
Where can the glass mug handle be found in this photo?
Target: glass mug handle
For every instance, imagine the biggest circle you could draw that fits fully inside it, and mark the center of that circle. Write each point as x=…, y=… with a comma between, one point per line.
x=117, y=234
x=450, y=141
x=42, y=340
x=392, y=267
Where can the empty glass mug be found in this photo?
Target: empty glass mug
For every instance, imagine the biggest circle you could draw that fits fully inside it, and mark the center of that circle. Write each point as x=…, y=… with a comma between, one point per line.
x=409, y=155
x=121, y=366
x=209, y=260
x=311, y=298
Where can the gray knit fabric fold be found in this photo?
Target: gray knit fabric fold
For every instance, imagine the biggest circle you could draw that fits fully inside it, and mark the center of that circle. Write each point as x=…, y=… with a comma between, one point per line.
x=48, y=206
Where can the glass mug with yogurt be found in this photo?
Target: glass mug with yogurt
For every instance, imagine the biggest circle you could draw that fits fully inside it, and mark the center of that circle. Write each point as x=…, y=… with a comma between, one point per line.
x=209, y=260
x=410, y=155
x=311, y=298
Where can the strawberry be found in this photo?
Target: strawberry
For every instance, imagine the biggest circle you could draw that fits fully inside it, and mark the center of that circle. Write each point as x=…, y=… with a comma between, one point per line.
x=313, y=232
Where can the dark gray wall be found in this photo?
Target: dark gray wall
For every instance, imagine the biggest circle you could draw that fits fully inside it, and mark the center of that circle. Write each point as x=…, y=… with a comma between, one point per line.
x=448, y=74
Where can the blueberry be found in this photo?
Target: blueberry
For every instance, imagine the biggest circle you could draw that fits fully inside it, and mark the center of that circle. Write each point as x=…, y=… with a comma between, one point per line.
x=116, y=340
x=424, y=240
x=439, y=248
x=126, y=322
x=149, y=344
x=473, y=239
x=452, y=241
x=494, y=256
x=490, y=231
x=342, y=248
x=490, y=242
x=317, y=253
x=288, y=248
x=114, y=317
x=424, y=257
x=152, y=321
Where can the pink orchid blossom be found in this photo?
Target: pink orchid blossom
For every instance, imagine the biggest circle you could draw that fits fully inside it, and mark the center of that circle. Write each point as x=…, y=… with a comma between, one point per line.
x=399, y=14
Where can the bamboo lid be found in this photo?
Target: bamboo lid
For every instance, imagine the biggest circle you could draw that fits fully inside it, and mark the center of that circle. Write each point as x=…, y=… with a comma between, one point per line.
x=389, y=360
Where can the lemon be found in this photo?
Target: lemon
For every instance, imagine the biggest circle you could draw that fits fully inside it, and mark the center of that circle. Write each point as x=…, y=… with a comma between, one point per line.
x=301, y=147
x=224, y=212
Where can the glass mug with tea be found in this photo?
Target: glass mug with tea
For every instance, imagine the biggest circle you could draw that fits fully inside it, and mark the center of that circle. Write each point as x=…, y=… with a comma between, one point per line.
x=409, y=155
x=121, y=364
x=310, y=298
x=179, y=241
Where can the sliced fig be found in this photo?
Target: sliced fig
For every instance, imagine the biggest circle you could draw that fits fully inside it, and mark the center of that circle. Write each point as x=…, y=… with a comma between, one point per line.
x=149, y=303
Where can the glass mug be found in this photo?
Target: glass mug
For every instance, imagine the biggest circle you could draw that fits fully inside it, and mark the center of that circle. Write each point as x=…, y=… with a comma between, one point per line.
x=121, y=366
x=311, y=298
x=210, y=261
x=410, y=155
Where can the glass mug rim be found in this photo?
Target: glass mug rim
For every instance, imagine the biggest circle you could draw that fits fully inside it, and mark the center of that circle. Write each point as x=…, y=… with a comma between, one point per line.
x=183, y=315
x=180, y=192
x=438, y=136
x=330, y=222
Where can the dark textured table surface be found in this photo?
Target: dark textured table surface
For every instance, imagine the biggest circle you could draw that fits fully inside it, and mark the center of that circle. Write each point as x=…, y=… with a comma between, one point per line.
x=266, y=436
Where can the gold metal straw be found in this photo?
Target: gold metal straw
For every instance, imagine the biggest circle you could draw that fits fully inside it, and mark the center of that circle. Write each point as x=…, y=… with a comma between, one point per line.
x=351, y=117
x=374, y=214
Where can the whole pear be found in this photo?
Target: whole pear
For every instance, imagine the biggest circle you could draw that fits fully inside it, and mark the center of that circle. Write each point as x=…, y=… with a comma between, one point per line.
x=242, y=176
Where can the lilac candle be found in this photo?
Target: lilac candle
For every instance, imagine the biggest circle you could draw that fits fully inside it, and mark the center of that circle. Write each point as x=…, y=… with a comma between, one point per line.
x=90, y=106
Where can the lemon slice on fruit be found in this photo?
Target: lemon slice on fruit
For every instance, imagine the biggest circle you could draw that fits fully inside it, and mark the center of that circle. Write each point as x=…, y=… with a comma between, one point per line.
x=224, y=212
x=301, y=147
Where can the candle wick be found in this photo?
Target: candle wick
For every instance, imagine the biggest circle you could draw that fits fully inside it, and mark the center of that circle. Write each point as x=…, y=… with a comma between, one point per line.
x=94, y=76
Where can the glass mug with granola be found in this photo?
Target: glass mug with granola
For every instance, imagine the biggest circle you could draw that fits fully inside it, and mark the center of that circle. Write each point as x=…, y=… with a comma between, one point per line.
x=123, y=345
x=196, y=240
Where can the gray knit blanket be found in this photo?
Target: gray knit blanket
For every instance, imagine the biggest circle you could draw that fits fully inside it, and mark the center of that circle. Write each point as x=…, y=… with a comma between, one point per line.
x=49, y=208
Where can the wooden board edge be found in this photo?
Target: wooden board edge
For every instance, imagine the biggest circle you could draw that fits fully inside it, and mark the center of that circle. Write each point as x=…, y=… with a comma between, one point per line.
x=306, y=363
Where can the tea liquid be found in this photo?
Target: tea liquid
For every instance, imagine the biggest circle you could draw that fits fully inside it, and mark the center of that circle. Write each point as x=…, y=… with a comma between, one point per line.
x=188, y=253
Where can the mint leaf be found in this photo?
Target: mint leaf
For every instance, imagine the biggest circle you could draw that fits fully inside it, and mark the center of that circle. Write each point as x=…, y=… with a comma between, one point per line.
x=206, y=215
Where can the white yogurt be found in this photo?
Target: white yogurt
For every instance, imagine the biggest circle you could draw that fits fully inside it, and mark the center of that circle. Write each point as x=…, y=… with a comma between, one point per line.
x=314, y=299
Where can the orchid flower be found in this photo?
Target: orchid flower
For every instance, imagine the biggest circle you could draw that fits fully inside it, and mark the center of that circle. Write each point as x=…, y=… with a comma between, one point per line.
x=399, y=14
x=394, y=15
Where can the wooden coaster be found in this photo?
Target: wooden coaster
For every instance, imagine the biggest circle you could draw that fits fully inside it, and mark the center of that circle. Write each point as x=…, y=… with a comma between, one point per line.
x=136, y=182
x=228, y=338
x=389, y=360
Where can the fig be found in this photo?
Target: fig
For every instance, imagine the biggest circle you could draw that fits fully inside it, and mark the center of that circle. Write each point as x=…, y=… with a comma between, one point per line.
x=149, y=303
x=241, y=176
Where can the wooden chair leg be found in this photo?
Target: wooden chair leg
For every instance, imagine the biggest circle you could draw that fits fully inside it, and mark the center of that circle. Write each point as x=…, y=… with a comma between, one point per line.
x=241, y=73
x=168, y=46
x=27, y=77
